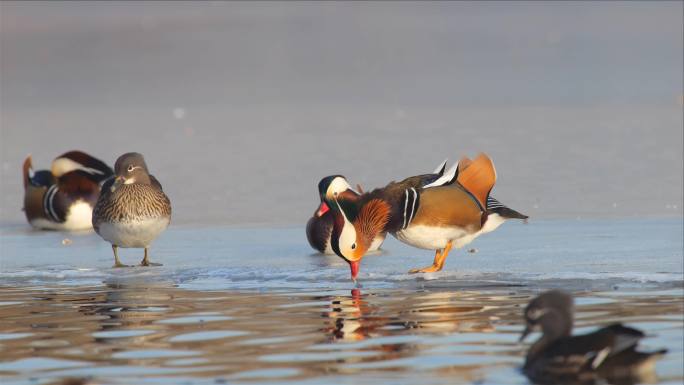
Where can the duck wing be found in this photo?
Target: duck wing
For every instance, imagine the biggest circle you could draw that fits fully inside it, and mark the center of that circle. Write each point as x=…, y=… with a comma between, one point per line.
x=478, y=177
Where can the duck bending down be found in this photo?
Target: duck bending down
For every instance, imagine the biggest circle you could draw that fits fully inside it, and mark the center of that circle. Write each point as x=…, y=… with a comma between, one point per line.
x=319, y=227
x=449, y=212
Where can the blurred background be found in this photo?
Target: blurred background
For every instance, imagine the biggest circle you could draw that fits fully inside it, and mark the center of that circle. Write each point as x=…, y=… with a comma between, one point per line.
x=240, y=108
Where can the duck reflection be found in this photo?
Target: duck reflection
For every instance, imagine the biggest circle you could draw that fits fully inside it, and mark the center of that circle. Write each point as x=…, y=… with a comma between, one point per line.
x=129, y=303
x=450, y=312
x=355, y=319
x=350, y=318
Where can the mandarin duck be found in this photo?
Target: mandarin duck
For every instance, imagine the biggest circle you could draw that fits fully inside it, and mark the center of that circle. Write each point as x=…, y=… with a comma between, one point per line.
x=132, y=210
x=63, y=197
x=559, y=357
x=451, y=211
x=319, y=227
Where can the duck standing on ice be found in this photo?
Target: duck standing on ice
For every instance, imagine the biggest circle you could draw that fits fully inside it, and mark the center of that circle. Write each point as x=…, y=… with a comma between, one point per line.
x=451, y=211
x=320, y=225
x=132, y=210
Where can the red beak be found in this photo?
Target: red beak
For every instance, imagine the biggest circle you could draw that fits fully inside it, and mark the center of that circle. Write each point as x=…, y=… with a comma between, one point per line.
x=354, y=266
x=322, y=209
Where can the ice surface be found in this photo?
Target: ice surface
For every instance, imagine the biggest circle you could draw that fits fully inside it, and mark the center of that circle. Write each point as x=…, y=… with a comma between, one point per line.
x=577, y=253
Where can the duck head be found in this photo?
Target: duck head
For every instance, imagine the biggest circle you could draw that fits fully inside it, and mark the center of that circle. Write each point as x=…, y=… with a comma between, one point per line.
x=552, y=313
x=70, y=161
x=356, y=223
x=131, y=168
x=333, y=187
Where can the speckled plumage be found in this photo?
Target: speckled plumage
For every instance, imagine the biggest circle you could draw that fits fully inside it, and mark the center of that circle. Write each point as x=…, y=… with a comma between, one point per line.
x=129, y=202
x=132, y=209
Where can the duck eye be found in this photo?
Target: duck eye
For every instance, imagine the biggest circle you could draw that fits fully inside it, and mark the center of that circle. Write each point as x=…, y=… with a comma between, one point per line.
x=335, y=193
x=130, y=168
x=353, y=246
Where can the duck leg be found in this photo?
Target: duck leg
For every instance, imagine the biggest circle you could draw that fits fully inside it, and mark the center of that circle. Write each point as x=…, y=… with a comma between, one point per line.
x=117, y=262
x=146, y=260
x=438, y=264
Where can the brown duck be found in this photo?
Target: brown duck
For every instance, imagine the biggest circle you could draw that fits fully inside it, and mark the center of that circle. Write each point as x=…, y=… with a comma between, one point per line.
x=132, y=210
x=609, y=353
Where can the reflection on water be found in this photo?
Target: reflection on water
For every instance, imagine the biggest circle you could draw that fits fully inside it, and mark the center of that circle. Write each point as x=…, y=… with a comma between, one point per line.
x=152, y=332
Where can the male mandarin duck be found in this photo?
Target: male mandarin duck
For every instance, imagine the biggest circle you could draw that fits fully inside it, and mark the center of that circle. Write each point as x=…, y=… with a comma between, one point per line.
x=132, y=210
x=451, y=211
x=319, y=227
x=63, y=197
x=559, y=357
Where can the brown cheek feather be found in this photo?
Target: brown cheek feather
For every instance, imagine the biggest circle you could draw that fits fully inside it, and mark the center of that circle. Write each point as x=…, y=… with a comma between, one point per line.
x=370, y=222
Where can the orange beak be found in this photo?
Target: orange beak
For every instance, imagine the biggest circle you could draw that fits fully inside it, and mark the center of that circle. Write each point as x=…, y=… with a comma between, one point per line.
x=354, y=266
x=322, y=209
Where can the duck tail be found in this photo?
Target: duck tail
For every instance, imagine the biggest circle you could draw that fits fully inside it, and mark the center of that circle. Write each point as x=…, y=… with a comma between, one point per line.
x=27, y=171
x=478, y=177
x=494, y=206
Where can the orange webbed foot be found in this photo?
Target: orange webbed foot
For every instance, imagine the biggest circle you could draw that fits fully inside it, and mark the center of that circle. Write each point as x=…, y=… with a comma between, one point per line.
x=428, y=269
x=438, y=264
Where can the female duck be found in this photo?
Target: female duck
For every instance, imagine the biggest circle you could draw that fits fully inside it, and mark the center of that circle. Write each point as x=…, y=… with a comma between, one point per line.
x=559, y=357
x=132, y=210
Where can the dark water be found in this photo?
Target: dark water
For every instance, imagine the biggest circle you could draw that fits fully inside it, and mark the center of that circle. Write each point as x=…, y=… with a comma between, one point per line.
x=134, y=332
x=256, y=306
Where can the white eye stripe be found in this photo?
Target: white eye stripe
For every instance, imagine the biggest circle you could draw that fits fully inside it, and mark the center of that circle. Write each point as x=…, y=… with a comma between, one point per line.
x=337, y=186
x=347, y=237
x=535, y=314
x=61, y=166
